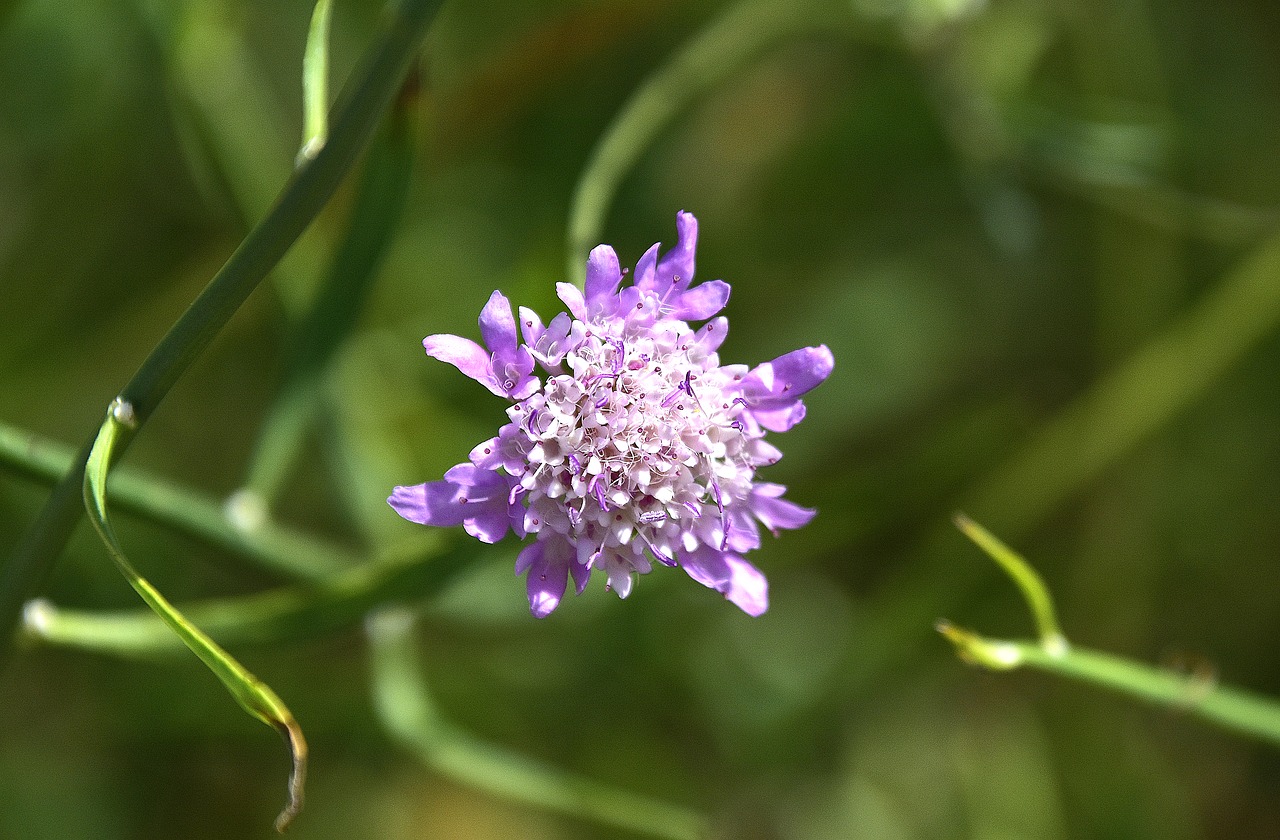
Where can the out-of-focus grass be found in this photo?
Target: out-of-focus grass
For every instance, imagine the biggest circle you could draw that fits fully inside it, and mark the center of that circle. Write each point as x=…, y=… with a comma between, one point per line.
x=981, y=217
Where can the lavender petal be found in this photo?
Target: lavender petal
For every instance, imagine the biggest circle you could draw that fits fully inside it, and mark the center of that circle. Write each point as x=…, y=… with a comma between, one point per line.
x=466, y=356
x=603, y=276
x=498, y=327
x=776, y=512
x=700, y=302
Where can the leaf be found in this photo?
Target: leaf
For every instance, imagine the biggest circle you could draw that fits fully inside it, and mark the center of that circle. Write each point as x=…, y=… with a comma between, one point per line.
x=251, y=693
x=315, y=83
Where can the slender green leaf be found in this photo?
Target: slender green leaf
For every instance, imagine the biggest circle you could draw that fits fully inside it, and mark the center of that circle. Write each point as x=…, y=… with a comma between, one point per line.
x=373, y=87
x=315, y=83
x=1024, y=577
x=251, y=693
x=270, y=545
x=262, y=618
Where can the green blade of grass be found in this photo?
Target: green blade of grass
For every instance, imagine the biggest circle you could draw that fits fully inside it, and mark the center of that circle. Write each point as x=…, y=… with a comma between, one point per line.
x=364, y=100
x=251, y=693
x=315, y=83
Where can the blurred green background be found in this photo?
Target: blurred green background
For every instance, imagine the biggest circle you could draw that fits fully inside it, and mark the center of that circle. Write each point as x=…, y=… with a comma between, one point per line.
x=984, y=209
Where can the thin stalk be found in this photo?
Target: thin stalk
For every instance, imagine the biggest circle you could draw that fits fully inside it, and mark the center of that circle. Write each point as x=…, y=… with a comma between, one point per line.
x=315, y=83
x=253, y=695
x=261, y=619
x=375, y=215
x=406, y=710
x=355, y=118
x=1105, y=424
x=270, y=545
x=1197, y=695
x=738, y=35
x=1028, y=581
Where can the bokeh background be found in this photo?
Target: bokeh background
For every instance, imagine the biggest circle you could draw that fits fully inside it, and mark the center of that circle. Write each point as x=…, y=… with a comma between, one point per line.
x=983, y=208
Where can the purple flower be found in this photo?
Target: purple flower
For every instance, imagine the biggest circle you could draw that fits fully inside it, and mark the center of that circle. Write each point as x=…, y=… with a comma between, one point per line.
x=638, y=446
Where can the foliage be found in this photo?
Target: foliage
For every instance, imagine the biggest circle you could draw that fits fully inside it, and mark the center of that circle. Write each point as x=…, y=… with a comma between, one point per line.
x=1040, y=239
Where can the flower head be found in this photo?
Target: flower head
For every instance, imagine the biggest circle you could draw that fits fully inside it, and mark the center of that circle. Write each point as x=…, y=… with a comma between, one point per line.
x=637, y=447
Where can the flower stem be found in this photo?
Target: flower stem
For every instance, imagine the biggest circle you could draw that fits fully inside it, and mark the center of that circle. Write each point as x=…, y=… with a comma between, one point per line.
x=378, y=206
x=272, y=546
x=260, y=619
x=739, y=34
x=315, y=83
x=1118, y=413
x=1195, y=694
x=253, y=695
x=407, y=712
x=355, y=118
x=1028, y=581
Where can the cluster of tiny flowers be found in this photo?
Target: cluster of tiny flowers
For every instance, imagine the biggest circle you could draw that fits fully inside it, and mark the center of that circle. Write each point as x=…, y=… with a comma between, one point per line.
x=638, y=447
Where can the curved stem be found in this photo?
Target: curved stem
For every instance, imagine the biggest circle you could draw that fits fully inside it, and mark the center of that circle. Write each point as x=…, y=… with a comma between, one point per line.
x=1028, y=581
x=260, y=619
x=355, y=118
x=375, y=215
x=1198, y=695
x=272, y=546
x=407, y=712
x=736, y=36
x=1106, y=423
x=253, y=695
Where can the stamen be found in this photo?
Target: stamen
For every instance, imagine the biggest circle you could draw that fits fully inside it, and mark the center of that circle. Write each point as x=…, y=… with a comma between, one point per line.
x=661, y=558
x=724, y=520
x=688, y=387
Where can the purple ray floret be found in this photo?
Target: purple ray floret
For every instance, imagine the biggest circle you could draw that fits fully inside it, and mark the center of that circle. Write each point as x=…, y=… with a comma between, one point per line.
x=506, y=369
x=636, y=446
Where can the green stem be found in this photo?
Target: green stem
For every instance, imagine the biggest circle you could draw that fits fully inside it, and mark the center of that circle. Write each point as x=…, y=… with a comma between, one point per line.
x=261, y=619
x=1092, y=434
x=315, y=83
x=226, y=120
x=253, y=695
x=408, y=713
x=355, y=118
x=739, y=34
x=1197, y=695
x=1028, y=581
x=375, y=216
x=272, y=546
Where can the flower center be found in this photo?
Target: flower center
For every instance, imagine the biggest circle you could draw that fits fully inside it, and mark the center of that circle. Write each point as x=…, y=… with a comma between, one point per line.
x=637, y=437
